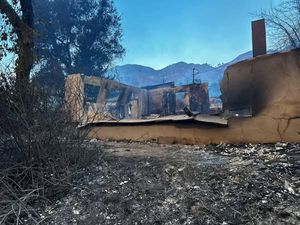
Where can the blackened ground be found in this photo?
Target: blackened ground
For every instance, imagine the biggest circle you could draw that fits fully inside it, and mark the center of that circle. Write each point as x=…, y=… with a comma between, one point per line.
x=134, y=183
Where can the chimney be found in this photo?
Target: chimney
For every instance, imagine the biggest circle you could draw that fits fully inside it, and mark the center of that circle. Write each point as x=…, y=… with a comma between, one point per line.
x=259, y=43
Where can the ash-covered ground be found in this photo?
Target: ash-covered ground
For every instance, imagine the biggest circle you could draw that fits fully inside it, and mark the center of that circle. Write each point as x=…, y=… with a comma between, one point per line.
x=147, y=183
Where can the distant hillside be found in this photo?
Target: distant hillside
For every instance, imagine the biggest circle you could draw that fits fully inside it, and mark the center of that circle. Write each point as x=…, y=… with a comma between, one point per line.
x=180, y=73
x=142, y=76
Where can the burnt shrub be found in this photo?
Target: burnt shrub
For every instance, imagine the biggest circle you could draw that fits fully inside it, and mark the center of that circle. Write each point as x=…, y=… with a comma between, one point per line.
x=40, y=150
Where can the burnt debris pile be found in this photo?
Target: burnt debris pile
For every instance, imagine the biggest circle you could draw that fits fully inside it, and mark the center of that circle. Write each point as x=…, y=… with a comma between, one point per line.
x=175, y=184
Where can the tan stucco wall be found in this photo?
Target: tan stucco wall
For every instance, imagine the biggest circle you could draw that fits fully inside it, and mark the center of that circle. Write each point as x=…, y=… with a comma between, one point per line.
x=246, y=130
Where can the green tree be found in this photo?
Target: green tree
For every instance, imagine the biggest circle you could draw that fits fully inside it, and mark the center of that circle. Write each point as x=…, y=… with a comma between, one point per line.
x=82, y=36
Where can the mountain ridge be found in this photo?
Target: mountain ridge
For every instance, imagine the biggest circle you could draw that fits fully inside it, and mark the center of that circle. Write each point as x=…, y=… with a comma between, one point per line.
x=181, y=73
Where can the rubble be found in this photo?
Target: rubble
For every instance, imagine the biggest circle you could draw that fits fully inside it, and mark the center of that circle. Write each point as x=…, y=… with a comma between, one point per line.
x=148, y=183
x=92, y=99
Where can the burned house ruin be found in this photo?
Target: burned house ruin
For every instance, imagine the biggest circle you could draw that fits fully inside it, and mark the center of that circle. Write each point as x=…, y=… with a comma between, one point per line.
x=260, y=96
x=93, y=98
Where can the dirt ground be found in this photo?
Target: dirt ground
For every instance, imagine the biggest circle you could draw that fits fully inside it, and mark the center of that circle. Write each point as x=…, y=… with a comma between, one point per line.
x=148, y=183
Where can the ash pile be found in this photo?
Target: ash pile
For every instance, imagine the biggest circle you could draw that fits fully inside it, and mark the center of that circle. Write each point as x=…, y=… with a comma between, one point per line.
x=149, y=183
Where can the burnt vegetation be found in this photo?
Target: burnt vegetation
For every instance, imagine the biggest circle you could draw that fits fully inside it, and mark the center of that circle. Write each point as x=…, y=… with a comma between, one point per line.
x=40, y=148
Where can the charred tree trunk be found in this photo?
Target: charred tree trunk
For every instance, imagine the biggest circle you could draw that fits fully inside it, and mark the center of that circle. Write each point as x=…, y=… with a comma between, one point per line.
x=25, y=44
x=23, y=27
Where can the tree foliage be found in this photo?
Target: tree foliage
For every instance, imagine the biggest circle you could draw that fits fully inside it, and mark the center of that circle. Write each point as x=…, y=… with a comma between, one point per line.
x=82, y=36
x=284, y=24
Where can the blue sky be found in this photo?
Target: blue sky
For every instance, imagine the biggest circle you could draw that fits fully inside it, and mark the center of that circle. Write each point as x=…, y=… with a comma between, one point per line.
x=161, y=32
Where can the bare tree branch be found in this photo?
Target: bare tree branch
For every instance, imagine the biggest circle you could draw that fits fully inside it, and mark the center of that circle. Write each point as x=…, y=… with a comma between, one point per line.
x=284, y=24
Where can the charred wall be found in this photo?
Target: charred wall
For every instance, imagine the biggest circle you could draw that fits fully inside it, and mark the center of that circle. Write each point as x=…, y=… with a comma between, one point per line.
x=92, y=98
x=161, y=99
x=196, y=97
x=103, y=99
x=268, y=85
